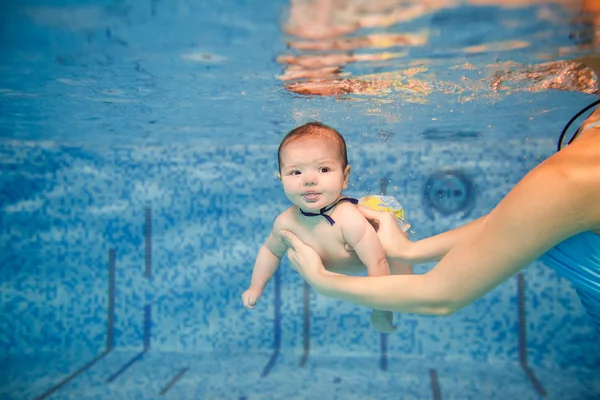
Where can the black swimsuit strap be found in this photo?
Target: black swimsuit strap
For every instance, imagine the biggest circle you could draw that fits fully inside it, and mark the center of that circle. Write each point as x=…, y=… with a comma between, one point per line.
x=564, y=131
x=323, y=210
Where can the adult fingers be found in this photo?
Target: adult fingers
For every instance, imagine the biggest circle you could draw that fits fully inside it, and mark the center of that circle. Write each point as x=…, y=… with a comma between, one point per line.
x=369, y=213
x=376, y=215
x=291, y=239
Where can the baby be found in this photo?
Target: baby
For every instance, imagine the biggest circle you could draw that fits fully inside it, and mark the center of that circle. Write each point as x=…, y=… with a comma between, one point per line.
x=314, y=170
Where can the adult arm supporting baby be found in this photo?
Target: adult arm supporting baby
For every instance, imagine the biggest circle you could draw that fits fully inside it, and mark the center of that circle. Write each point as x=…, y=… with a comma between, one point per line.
x=552, y=203
x=436, y=247
x=425, y=250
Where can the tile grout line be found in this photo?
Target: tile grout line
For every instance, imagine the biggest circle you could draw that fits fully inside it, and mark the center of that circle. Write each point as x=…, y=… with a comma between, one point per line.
x=147, y=327
x=435, y=384
x=173, y=381
x=383, y=354
x=138, y=357
x=306, y=325
x=276, y=325
x=522, y=324
x=110, y=329
x=148, y=241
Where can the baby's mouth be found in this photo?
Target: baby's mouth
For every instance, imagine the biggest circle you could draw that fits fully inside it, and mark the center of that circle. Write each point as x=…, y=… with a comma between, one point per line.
x=311, y=196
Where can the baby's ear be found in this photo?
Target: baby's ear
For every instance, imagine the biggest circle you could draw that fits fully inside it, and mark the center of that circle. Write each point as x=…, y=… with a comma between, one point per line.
x=346, y=175
x=279, y=176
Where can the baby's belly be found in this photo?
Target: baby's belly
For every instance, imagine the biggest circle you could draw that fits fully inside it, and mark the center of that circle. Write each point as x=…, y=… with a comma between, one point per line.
x=350, y=265
x=334, y=255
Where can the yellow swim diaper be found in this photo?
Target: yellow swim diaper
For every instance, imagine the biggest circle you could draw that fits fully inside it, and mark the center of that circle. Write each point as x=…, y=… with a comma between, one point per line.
x=385, y=204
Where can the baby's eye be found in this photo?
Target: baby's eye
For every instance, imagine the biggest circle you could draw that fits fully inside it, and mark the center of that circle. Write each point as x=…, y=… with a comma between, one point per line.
x=294, y=172
x=325, y=169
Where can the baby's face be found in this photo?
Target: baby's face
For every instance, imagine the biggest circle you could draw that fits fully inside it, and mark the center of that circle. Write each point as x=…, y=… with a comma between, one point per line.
x=312, y=174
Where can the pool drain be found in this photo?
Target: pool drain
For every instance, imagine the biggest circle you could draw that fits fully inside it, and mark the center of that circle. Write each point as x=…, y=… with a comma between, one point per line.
x=449, y=191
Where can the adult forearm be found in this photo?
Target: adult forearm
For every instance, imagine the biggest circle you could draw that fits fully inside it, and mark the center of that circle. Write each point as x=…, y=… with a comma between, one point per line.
x=434, y=248
x=265, y=266
x=398, y=293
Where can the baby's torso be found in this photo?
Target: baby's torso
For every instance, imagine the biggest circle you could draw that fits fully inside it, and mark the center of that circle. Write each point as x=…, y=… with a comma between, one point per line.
x=326, y=239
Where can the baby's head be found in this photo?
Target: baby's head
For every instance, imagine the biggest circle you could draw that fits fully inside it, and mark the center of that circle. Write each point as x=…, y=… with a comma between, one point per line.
x=313, y=165
x=315, y=130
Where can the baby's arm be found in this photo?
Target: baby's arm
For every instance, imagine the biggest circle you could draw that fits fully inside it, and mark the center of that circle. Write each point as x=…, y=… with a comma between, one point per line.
x=361, y=236
x=267, y=262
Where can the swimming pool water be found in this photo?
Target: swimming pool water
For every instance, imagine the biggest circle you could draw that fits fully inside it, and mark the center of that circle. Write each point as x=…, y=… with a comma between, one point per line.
x=138, y=157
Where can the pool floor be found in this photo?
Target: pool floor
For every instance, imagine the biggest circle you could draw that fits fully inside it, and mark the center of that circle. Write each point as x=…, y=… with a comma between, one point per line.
x=264, y=376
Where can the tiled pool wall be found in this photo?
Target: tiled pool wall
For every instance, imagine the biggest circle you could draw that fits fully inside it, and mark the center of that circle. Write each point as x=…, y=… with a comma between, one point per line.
x=66, y=208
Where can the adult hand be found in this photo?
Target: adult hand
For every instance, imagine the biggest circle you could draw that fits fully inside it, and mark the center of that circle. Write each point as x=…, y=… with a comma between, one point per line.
x=395, y=242
x=303, y=258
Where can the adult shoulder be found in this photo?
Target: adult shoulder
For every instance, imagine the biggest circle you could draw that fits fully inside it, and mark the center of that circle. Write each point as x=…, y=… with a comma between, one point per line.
x=578, y=166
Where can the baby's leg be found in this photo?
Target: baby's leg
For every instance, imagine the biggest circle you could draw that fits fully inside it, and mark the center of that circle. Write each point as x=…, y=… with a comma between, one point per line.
x=400, y=268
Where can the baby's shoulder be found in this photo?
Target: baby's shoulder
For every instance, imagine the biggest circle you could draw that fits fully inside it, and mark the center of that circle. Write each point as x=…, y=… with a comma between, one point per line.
x=348, y=210
x=286, y=219
x=349, y=216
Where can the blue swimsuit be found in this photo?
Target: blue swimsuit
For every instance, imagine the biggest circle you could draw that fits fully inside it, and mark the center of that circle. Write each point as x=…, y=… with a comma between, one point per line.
x=578, y=259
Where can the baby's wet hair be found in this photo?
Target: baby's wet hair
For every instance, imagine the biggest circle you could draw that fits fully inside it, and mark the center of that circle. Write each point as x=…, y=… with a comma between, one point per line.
x=314, y=129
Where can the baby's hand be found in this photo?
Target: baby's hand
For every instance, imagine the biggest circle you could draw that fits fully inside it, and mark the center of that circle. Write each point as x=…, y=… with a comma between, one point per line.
x=251, y=296
x=382, y=321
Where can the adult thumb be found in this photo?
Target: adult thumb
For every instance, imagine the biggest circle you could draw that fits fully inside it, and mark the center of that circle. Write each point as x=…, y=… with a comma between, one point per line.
x=368, y=212
x=289, y=238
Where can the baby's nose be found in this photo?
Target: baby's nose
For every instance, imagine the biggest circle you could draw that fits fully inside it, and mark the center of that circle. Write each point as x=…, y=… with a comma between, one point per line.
x=310, y=180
